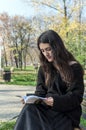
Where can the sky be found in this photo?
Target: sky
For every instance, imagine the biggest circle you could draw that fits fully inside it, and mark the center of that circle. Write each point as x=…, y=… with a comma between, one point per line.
x=16, y=7
x=19, y=7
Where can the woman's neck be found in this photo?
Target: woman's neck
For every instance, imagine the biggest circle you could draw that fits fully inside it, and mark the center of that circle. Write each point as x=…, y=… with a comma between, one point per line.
x=56, y=66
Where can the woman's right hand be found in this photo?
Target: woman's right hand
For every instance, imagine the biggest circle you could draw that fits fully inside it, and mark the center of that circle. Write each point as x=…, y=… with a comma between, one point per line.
x=49, y=101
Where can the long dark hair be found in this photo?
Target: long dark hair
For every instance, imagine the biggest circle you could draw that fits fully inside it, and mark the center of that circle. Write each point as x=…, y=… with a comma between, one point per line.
x=62, y=57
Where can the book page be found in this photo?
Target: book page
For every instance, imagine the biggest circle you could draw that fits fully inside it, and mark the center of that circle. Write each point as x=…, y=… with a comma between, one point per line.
x=32, y=98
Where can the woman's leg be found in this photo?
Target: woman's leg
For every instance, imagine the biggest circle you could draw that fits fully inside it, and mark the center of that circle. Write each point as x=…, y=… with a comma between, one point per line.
x=32, y=118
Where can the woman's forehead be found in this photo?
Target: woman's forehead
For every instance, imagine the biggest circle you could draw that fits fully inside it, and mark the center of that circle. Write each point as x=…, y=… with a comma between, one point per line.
x=44, y=45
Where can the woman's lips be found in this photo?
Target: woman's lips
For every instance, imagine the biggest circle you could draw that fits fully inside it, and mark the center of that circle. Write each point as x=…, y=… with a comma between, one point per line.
x=49, y=57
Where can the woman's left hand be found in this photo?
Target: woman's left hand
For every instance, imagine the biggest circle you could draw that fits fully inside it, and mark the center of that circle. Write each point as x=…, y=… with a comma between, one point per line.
x=49, y=101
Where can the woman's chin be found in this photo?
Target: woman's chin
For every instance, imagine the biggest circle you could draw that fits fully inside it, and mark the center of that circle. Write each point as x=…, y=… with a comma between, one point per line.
x=50, y=60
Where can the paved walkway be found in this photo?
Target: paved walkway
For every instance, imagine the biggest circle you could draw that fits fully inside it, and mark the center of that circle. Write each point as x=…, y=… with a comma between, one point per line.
x=10, y=104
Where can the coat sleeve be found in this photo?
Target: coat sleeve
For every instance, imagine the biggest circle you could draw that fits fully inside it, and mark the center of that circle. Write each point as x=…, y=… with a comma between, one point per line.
x=41, y=89
x=73, y=98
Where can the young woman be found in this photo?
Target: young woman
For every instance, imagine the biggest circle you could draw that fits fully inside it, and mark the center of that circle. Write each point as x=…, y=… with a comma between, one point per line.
x=60, y=80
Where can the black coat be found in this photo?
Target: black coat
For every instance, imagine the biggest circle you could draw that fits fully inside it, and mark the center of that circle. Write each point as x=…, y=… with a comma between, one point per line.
x=66, y=111
x=66, y=99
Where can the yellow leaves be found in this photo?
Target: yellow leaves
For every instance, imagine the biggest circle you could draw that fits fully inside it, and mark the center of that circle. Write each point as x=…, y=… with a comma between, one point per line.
x=73, y=25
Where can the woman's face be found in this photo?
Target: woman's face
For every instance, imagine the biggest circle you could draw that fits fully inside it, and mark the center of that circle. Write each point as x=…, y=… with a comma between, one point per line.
x=46, y=51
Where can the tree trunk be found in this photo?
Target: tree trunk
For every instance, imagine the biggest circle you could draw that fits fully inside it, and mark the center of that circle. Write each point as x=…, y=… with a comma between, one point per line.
x=15, y=58
x=5, y=57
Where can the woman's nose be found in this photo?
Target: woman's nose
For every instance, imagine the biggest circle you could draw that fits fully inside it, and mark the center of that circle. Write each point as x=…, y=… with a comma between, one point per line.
x=46, y=53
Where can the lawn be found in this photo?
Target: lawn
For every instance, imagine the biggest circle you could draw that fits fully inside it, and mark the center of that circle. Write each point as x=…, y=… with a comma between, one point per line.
x=7, y=125
x=27, y=76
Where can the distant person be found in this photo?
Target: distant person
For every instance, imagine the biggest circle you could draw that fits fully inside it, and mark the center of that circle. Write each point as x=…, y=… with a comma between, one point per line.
x=60, y=80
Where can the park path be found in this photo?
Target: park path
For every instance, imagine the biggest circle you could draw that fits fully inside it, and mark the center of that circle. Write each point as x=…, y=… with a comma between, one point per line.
x=10, y=104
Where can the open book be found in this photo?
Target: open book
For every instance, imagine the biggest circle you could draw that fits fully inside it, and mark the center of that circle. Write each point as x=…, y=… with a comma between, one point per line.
x=31, y=98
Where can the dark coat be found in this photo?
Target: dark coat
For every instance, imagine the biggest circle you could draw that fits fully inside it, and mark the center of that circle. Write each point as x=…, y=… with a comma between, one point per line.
x=66, y=99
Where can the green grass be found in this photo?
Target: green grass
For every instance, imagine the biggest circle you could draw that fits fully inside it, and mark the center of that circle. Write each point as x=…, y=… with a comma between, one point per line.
x=7, y=125
x=27, y=76
x=83, y=122
x=22, y=79
x=27, y=79
x=28, y=68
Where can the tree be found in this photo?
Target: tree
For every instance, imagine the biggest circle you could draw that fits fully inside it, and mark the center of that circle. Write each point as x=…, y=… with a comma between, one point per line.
x=20, y=35
x=4, y=31
x=67, y=21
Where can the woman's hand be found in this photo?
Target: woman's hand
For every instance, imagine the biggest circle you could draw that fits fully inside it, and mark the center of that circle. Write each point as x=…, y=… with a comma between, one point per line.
x=49, y=101
x=23, y=102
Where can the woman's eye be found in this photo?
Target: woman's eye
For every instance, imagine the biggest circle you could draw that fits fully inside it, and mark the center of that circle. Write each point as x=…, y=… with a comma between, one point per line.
x=48, y=49
x=42, y=50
